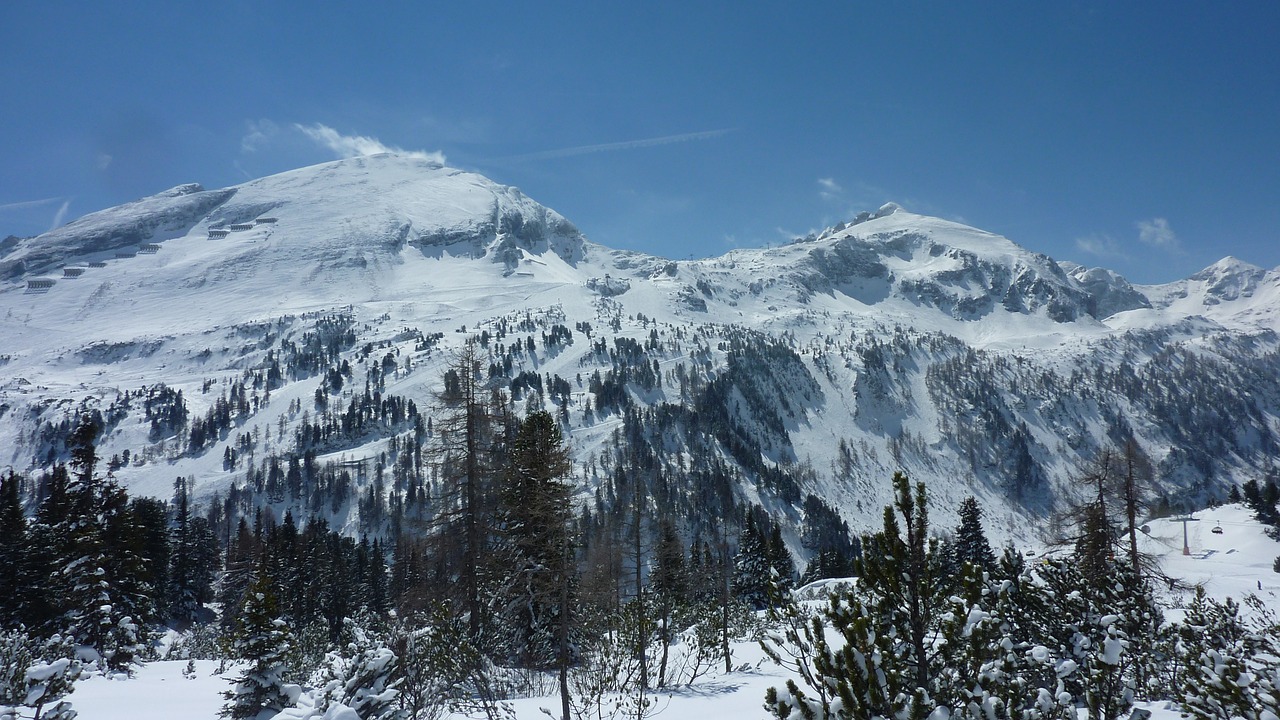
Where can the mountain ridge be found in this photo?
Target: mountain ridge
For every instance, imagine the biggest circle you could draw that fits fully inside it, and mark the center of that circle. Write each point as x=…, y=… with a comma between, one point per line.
x=892, y=341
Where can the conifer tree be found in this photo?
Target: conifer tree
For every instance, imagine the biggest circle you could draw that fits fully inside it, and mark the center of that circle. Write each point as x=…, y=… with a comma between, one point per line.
x=262, y=639
x=752, y=569
x=18, y=572
x=971, y=544
x=37, y=674
x=108, y=600
x=364, y=676
x=913, y=646
x=1232, y=661
x=471, y=438
x=670, y=578
x=538, y=518
x=193, y=559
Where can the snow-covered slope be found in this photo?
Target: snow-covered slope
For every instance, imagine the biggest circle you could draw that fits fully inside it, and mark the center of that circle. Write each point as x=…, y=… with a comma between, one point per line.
x=894, y=341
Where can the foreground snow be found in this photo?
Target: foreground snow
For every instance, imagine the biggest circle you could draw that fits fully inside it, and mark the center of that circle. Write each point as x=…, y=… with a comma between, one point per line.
x=1233, y=563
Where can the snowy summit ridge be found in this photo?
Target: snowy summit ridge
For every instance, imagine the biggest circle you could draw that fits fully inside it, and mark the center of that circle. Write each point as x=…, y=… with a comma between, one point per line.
x=892, y=341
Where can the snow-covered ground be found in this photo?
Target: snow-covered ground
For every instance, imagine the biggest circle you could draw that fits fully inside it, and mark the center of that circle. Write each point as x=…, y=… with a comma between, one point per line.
x=1231, y=564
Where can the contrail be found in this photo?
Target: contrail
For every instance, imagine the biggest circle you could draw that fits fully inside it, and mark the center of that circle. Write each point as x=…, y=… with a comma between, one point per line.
x=28, y=203
x=625, y=145
x=61, y=215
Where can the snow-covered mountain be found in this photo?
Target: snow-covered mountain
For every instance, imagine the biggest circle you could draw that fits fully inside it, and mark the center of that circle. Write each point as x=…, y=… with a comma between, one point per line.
x=893, y=341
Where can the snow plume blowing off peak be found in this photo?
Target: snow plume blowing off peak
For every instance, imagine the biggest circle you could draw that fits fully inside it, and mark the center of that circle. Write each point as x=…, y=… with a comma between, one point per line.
x=349, y=146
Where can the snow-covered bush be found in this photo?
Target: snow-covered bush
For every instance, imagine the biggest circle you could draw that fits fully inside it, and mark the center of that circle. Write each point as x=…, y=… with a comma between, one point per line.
x=363, y=678
x=35, y=675
x=1232, y=662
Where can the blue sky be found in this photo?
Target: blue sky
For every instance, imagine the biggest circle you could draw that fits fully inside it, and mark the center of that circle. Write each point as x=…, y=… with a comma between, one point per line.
x=1137, y=136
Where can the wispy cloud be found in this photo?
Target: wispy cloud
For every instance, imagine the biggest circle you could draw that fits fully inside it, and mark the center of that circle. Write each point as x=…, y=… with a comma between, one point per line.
x=1100, y=246
x=61, y=215
x=624, y=145
x=258, y=135
x=830, y=189
x=26, y=204
x=1157, y=233
x=345, y=146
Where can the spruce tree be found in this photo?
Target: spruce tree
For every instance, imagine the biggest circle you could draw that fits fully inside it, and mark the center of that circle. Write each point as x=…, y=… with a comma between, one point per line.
x=264, y=641
x=971, y=544
x=17, y=572
x=538, y=516
x=193, y=559
x=752, y=569
x=108, y=599
x=670, y=579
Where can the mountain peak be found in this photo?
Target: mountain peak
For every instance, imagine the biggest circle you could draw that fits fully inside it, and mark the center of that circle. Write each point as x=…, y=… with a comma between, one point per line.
x=887, y=209
x=1229, y=265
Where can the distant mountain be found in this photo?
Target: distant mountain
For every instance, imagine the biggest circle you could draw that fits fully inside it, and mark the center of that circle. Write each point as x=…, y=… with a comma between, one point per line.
x=765, y=376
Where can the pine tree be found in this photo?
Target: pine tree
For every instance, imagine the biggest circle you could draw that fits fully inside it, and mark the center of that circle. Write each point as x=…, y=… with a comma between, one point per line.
x=193, y=559
x=751, y=566
x=107, y=604
x=782, y=567
x=364, y=677
x=37, y=674
x=1232, y=663
x=670, y=579
x=913, y=645
x=262, y=639
x=538, y=517
x=17, y=570
x=971, y=544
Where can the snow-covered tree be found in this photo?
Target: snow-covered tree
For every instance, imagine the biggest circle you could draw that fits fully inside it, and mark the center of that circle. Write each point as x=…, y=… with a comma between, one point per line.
x=105, y=597
x=971, y=544
x=1232, y=662
x=363, y=677
x=915, y=643
x=1094, y=628
x=36, y=675
x=263, y=640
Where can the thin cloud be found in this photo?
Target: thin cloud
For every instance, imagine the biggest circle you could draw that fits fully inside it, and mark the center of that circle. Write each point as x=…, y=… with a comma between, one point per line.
x=1157, y=233
x=1100, y=246
x=624, y=145
x=22, y=205
x=346, y=146
x=61, y=215
x=259, y=134
x=831, y=189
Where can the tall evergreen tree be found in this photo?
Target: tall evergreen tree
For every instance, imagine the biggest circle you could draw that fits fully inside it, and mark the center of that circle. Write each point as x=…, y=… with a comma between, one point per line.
x=193, y=559
x=108, y=601
x=971, y=544
x=538, y=517
x=670, y=579
x=18, y=572
x=264, y=640
x=751, y=565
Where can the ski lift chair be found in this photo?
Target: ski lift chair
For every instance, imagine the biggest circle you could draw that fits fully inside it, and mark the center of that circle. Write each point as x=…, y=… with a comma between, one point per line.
x=1217, y=529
